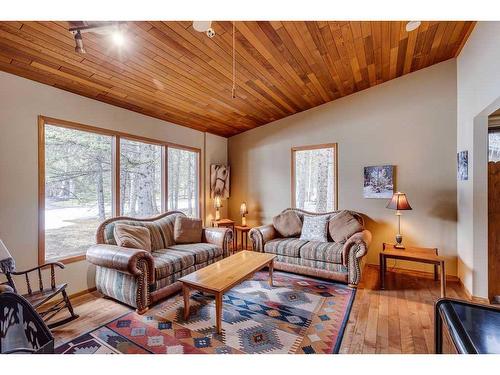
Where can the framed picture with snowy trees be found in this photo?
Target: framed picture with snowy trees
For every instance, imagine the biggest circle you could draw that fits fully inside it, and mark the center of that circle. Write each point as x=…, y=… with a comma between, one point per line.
x=378, y=181
x=314, y=177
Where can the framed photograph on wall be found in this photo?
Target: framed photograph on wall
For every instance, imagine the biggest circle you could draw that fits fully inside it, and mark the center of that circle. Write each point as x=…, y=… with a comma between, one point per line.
x=219, y=181
x=463, y=165
x=379, y=181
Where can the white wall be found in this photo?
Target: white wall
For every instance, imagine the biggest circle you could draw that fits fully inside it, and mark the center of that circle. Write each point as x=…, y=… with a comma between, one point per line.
x=21, y=101
x=478, y=94
x=216, y=150
x=409, y=122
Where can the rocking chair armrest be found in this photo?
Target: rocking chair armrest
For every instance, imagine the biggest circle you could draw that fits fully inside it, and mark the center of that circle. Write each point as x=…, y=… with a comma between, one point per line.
x=58, y=264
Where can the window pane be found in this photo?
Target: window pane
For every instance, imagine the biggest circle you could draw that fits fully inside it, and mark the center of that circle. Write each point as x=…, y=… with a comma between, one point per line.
x=77, y=189
x=314, y=180
x=183, y=181
x=140, y=178
x=494, y=146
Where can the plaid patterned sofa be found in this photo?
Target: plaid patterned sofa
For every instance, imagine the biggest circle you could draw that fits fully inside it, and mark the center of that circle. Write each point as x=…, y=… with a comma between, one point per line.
x=140, y=278
x=330, y=260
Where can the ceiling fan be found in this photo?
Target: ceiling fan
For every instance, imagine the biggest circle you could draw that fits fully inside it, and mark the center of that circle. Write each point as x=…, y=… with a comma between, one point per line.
x=204, y=27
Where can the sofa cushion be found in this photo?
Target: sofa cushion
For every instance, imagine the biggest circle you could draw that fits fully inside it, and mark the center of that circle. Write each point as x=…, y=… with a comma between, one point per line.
x=284, y=246
x=330, y=252
x=288, y=224
x=132, y=236
x=315, y=228
x=343, y=225
x=161, y=230
x=187, y=230
x=169, y=261
x=202, y=252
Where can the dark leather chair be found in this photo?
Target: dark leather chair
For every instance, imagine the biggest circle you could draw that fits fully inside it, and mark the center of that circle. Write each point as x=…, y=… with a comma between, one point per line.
x=472, y=328
x=22, y=330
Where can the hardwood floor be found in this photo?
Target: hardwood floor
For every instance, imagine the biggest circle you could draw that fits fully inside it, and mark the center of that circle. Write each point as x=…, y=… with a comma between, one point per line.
x=399, y=319
x=94, y=311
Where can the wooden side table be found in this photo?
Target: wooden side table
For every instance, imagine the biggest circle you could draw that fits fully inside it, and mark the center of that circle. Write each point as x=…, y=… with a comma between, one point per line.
x=414, y=254
x=226, y=223
x=244, y=236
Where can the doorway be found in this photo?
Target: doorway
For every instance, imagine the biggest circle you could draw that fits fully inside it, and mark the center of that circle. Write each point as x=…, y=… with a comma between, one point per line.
x=494, y=207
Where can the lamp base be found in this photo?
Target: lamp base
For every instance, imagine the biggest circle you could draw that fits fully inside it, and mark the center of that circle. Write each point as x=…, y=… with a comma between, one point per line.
x=399, y=242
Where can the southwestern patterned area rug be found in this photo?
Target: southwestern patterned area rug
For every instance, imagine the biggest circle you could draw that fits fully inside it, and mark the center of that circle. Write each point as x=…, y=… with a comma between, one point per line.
x=297, y=315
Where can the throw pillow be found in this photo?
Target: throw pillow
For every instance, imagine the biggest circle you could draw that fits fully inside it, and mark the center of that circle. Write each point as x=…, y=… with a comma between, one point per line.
x=343, y=225
x=132, y=236
x=288, y=224
x=315, y=228
x=187, y=230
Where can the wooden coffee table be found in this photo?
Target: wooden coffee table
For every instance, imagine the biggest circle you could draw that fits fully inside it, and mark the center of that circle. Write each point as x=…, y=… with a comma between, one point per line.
x=223, y=275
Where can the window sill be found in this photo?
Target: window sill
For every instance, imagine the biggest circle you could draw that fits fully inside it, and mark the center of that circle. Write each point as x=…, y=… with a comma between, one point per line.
x=72, y=259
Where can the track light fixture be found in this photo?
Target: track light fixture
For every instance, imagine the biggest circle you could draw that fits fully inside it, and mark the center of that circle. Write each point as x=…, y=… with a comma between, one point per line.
x=115, y=30
x=79, y=42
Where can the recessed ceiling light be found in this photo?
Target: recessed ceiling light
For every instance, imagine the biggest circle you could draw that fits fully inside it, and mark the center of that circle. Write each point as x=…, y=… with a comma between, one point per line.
x=412, y=25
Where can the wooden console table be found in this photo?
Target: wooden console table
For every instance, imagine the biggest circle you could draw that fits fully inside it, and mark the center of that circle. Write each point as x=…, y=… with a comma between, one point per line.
x=413, y=254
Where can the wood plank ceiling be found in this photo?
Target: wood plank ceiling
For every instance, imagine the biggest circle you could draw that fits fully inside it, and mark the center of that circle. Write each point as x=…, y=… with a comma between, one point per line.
x=169, y=71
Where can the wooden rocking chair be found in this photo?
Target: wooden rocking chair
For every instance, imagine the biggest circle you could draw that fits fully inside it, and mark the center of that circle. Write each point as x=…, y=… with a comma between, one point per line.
x=42, y=295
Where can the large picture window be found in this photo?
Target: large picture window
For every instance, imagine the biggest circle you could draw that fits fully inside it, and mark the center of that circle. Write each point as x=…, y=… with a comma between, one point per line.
x=88, y=174
x=314, y=178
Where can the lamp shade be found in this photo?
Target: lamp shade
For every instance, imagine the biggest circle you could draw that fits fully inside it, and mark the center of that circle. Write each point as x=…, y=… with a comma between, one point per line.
x=217, y=202
x=243, y=209
x=399, y=202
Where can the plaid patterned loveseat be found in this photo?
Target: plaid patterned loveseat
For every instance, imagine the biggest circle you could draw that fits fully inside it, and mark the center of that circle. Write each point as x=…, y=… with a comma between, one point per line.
x=330, y=260
x=140, y=278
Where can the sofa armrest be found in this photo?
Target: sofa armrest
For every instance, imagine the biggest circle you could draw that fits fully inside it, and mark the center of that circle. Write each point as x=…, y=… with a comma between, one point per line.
x=260, y=235
x=221, y=237
x=122, y=259
x=362, y=239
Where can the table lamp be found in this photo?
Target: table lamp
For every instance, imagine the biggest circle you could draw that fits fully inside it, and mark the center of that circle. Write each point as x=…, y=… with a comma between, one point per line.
x=217, y=205
x=399, y=202
x=243, y=212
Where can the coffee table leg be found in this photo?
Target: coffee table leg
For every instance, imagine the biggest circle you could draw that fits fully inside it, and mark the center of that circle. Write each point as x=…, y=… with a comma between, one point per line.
x=218, y=312
x=271, y=267
x=185, y=292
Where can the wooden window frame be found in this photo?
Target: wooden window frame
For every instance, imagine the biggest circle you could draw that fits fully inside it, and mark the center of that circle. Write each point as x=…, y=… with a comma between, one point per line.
x=115, y=149
x=334, y=146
